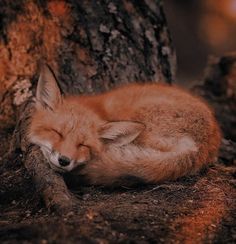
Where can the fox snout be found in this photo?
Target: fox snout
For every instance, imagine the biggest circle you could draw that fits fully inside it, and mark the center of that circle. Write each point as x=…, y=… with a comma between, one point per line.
x=58, y=161
x=64, y=161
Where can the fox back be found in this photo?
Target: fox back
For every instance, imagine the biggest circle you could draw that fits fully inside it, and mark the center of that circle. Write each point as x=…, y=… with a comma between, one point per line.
x=152, y=132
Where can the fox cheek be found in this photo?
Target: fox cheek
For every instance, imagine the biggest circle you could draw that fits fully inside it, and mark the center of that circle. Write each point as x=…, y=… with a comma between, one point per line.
x=46, y=153
x=50, y=155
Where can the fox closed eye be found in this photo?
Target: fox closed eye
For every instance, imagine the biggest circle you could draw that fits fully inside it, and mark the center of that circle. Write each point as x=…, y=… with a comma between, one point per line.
x=57, y=132
x=52, y=131
x=81, y=145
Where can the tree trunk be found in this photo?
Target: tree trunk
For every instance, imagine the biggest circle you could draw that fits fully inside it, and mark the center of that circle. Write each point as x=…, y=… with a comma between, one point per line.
x=91, y=45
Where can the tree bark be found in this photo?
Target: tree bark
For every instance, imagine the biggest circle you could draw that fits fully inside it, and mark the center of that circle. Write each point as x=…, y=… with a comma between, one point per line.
x=91, y=45
x=219, y=89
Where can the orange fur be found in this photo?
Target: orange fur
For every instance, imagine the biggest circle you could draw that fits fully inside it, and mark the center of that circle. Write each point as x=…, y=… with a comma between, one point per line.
x=154, y=132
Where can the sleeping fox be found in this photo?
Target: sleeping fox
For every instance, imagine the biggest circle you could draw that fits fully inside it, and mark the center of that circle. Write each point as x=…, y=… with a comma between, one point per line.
x=153, y=132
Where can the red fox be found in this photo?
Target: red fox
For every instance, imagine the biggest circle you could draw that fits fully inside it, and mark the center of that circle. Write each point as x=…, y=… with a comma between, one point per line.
x=154, y=132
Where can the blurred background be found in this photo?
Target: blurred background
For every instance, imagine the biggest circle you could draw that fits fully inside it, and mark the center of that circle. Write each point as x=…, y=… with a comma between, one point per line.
x=200, y=28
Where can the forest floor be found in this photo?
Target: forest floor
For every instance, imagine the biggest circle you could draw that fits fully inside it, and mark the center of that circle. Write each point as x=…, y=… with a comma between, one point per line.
x=196, y=209
x=199, y=209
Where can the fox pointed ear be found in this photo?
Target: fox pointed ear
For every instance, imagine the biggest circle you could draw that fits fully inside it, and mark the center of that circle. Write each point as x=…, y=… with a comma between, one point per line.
x=48, y=93
x=120, y=133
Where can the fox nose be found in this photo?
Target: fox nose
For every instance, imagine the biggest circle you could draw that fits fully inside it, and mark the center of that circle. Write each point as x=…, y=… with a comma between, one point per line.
x=64, y=161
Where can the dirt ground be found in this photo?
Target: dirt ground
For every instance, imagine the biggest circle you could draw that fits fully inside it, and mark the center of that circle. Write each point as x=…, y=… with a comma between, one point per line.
x=199, y=209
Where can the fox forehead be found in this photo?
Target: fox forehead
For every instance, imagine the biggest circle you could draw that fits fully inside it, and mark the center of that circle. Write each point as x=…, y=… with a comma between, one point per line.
x=69, y=119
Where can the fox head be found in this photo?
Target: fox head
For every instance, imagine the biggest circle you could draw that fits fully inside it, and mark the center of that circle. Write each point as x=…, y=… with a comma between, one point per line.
x=70, y=132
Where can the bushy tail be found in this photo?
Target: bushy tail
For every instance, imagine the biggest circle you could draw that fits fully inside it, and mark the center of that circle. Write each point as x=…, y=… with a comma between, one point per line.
x=168, y=168
x=149, y=165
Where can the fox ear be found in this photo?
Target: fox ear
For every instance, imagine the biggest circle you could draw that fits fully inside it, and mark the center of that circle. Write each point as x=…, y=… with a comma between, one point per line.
x=48, y=93
x=120, y=133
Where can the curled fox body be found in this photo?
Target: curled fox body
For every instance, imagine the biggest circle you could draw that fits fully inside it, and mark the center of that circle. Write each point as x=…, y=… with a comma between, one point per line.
x=152, y=132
